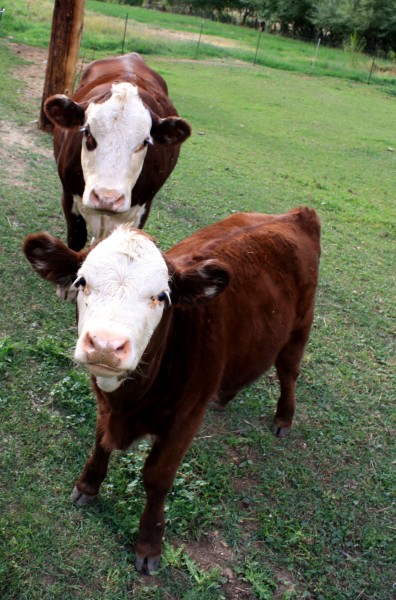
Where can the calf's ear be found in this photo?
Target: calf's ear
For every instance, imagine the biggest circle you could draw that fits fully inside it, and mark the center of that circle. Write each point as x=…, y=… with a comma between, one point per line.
x=52, y=259
x=199, y=283
x=64, y=112
x=171, y=130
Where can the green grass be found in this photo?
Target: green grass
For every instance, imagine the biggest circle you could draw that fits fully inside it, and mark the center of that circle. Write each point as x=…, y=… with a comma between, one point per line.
x=157, y=32
x=308, y=517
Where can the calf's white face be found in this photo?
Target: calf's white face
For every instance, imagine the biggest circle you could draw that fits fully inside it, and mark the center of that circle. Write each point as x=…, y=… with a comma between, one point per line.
x=123, y=286
x=116, y=135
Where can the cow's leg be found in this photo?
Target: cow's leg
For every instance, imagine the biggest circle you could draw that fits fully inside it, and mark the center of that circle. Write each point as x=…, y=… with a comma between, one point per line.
x=75, y=224
x=288, y=367
x=158, y=474
x=220, y=401
x=88, y=484
x=76, y=240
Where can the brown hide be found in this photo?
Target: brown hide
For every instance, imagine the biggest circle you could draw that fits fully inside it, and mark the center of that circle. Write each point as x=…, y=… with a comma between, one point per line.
x=204, y=350
x=207, y=353
x=160, y=160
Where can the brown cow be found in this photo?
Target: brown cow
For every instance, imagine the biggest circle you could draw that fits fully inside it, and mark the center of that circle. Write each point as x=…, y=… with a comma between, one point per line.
x=116, y=141
x=164, y=335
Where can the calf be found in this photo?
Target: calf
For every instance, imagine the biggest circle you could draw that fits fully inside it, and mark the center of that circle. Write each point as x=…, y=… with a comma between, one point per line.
x=116, y=141
x=164, y=335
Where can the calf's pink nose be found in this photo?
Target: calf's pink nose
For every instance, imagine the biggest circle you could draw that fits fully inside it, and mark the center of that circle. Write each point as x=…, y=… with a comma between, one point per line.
x=105, y=347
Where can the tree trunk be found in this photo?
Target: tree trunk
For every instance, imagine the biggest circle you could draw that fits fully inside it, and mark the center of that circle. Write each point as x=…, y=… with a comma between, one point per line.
x=67, y=25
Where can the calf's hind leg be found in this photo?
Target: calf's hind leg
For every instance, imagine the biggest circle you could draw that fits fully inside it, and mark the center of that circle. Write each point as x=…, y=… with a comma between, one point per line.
x=288, y=367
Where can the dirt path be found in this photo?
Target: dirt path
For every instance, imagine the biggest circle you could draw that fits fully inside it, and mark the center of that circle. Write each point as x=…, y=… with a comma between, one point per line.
x=31, y=75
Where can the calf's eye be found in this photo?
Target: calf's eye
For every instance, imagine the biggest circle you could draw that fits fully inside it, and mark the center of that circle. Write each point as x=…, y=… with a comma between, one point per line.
x=144, y=145
x=80, y=282
x=164, y=297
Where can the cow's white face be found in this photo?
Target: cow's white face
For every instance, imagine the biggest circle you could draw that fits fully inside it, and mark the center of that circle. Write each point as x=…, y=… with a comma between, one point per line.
x=123, y=287
x=116, y=135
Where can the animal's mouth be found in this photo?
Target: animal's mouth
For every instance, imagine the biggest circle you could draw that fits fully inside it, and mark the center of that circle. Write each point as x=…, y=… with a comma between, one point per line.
x=106, y=212
x=109, y=213
x=104, y=370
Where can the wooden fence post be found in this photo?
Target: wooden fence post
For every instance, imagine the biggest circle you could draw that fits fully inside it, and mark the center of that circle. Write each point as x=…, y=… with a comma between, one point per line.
x=67, y=25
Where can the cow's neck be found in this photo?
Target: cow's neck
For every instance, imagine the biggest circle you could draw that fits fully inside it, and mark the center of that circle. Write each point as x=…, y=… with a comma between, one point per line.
x=101, y=225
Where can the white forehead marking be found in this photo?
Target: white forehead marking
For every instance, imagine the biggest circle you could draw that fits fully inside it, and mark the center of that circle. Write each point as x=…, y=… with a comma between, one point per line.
x=124, y=273
x=124, y=109
x=126, y=259
x=119, y=126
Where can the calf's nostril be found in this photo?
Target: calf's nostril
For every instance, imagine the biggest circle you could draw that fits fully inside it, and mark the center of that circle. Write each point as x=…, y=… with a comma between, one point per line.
x=89, y=343
x=123, y=349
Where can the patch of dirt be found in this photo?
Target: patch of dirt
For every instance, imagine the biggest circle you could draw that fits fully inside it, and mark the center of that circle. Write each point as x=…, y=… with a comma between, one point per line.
x=31, y=75
x=94, y=22
x=20, y=137
x=286, y=585
x=212, y=552
x=16, y=139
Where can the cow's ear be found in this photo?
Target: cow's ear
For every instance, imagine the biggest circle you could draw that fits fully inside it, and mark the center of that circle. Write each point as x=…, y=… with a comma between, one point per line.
x=171, y=130
x=52, y=259
x=199, y=283
x=64, y=112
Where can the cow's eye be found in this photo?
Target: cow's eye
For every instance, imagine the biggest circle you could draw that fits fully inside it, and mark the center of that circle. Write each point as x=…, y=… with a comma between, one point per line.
x=145, y=143
x=89, y=138
x=80, y=282
x=164, y=297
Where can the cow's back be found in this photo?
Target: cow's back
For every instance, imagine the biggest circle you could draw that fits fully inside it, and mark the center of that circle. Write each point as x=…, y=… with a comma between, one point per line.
x=273, y=261
x=229, y=238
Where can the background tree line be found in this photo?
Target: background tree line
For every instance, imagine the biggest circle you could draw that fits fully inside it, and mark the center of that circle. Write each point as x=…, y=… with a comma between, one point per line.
x=366, y=25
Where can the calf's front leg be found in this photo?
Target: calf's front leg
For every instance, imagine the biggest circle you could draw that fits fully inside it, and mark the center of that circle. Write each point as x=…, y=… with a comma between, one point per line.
x=158, y=473
x=88, y=484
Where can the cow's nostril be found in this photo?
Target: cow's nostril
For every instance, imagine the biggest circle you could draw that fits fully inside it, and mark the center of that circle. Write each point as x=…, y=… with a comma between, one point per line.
x=118, y=202
x=123, y=349
x=94, y=199
x=89, y=343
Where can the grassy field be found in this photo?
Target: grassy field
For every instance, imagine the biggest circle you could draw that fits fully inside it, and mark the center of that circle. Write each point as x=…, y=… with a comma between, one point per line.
x=160, y=33
x=249, y=516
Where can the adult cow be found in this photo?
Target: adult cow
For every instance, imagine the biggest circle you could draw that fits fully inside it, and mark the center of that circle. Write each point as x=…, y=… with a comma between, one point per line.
x=116, y=141
x=164, y=335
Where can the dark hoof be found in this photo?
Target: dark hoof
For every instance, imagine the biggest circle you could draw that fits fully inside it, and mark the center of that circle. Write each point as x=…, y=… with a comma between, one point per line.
x=81, y=499
x=147, y=565
x=280, y=432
